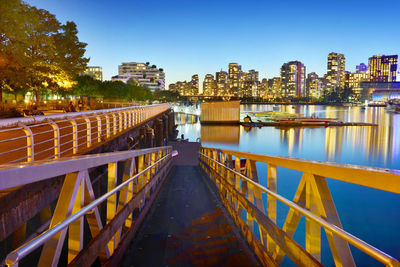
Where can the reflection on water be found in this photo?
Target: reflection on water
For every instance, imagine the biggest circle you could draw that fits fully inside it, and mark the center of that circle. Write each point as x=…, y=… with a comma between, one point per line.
x=220, y=134
x=183, y=119
x=374, y=146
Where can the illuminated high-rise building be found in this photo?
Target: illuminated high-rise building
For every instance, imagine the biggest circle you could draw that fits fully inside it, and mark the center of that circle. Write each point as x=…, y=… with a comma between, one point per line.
x=383, y=68
x=235, y=73
x=194, y=84
x=222, y=83
x=314, y=85
x=293, y=79
x=274, y=87
x=248, y=86
x=94, y=72
x=353, y=80
x=209, y=88
x=336, y=73
x=361, y=68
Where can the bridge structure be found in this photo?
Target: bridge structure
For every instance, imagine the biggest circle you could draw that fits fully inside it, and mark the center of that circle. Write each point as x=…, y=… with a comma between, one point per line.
x=147, y=207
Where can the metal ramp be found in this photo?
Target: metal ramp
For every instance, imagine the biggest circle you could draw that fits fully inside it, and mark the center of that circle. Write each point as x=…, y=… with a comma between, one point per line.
x=187, y=227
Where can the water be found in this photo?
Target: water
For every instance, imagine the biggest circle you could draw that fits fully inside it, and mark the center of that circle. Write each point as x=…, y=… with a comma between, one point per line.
x=369, y=214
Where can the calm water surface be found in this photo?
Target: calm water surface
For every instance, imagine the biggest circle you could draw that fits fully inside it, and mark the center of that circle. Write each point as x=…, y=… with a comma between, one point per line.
x=372, y=215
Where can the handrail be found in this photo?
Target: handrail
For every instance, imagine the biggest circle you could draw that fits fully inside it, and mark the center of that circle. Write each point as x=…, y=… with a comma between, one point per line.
x=356, y=242
x=378, y=178
x=42, y=127
x=18, y=174
x=36, y=119
x=15, y=256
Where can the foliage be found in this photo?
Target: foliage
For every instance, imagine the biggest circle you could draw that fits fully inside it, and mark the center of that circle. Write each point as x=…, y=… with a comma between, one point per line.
x=338, y=95
x=86, y=85
x=36, y=50
x=112, y=90
x=168, y=96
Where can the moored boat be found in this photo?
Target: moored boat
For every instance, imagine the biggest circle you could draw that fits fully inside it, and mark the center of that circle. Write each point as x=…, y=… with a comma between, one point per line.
x=393, y=106
x=307, y=120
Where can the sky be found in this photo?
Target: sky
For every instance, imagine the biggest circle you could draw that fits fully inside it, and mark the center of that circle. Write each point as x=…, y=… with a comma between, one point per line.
x=189, y=37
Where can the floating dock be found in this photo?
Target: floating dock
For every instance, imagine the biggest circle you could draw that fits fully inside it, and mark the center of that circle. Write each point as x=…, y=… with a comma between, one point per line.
x=296, y=124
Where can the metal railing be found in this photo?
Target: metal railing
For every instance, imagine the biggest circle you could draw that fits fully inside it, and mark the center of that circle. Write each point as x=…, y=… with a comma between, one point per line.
x=55, y=136
x=126, y=204
x=241, y=192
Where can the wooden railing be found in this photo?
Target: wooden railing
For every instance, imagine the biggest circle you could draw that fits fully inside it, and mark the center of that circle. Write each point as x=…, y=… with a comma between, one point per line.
x=240, y=191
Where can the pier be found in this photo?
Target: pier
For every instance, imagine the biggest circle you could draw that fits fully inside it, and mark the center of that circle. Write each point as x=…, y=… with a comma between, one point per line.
x=145, y=204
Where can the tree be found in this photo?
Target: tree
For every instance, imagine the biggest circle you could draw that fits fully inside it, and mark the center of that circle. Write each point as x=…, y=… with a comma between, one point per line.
x=36, y=51
x=346, y=94
x=168, y=96
x=86, y=85
x=69, y=53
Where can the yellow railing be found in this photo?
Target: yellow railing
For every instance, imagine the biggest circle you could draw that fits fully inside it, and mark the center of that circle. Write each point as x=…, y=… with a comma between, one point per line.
x=240, y=191
x=127, y=201
x=55, y=136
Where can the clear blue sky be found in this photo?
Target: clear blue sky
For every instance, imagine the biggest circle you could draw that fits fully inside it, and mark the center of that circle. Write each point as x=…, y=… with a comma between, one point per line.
x=187, y=36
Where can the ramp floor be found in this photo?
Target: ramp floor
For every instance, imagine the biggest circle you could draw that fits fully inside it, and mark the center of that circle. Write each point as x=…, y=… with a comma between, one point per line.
x=186, y=227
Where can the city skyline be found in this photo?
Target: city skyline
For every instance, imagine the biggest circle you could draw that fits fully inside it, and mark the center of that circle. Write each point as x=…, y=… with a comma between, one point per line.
x=260, y=36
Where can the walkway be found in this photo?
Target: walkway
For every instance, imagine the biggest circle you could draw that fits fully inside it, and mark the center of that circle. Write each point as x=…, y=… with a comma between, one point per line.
x=187, y=226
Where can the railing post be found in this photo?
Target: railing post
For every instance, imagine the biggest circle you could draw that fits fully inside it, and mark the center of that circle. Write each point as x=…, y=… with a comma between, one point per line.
x=98, y=118
x=30, y=152
x=74, y=135
x=130, y=113
x=271, y=202
x=88, y=131
x=56, y=139
x=120, y=121
x=114, y=123
x=313, y=229
x=125, y=113
x=112, y=200
x=107, y=125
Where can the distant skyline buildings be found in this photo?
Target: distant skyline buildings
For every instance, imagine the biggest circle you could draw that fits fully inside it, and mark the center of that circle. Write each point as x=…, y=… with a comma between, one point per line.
x=294, y=81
